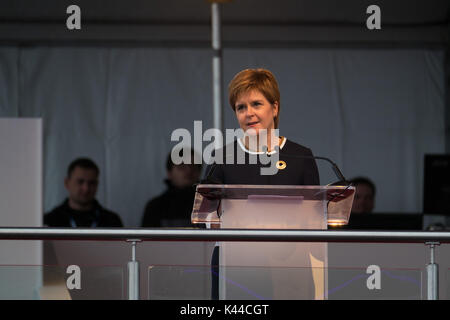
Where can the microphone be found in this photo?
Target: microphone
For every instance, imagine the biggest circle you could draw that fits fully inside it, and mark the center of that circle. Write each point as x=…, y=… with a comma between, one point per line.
x=334, y=166
x=209, y=179
x=341, y=182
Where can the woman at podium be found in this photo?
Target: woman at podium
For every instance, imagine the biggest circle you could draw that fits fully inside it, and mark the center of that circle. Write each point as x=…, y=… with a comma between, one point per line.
x=254, y=98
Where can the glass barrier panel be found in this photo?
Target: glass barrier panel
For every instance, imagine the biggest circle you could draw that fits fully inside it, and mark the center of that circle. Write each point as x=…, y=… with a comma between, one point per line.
x=447, y=286
x=374, y=283
x=94, y=282
x=119, y=253
x=103, y=266
x=282, y=283
x=172, y=282
x=270, y=283
x=20, y=282
x=71, y=282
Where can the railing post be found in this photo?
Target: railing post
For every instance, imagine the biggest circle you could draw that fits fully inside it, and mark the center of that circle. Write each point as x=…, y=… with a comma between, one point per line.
x=432, y=274
x=133, y=272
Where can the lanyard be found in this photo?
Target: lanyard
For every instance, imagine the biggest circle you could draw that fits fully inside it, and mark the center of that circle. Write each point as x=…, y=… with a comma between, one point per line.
x=94, y=223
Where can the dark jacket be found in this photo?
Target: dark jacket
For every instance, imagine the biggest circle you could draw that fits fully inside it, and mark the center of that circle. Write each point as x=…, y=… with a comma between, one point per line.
x=299, y=169
x=173, y=208
x=64, y=216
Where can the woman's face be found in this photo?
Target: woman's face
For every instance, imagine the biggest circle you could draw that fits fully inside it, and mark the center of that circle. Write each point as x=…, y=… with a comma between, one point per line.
x=253, y=111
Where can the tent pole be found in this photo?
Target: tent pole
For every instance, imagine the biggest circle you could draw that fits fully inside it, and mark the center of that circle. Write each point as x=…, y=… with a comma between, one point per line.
x=217, y=66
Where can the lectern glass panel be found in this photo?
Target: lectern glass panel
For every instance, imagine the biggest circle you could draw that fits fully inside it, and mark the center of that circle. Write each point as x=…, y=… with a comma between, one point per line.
x=338, y=199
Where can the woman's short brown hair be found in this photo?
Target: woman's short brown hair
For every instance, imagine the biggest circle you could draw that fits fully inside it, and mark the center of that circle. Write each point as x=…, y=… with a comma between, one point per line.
x=261, y=80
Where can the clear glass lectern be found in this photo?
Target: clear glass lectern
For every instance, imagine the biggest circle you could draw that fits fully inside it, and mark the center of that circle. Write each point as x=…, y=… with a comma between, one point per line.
x=268, y=270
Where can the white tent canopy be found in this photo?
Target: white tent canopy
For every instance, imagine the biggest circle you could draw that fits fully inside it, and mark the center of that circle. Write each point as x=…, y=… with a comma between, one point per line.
x=373, y=101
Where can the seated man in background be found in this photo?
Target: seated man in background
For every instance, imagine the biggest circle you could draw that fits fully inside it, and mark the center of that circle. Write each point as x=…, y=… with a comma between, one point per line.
x=364, y=200
x=81, y=209
x=173, y=208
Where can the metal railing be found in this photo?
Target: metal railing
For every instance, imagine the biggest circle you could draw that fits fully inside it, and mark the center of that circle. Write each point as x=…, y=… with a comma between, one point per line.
x=431, y=239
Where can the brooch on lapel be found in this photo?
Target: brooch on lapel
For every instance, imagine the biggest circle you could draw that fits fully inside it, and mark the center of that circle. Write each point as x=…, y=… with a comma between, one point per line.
x=281, y=165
